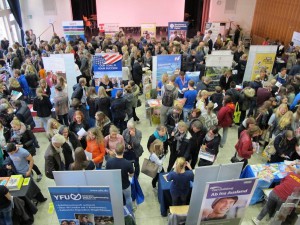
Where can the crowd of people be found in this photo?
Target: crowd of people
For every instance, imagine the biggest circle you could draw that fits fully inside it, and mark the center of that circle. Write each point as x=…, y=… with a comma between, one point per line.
x=106, y=126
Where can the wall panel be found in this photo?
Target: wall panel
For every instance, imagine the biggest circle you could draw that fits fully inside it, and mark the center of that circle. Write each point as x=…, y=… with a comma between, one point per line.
x=275, y=19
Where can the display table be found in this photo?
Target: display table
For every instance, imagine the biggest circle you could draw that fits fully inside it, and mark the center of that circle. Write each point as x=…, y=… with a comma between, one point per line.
x=29, y=190
x=268, y=174
x=164, y=195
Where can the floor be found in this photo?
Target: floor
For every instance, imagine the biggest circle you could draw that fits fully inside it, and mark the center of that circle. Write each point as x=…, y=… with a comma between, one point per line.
x=147, y=213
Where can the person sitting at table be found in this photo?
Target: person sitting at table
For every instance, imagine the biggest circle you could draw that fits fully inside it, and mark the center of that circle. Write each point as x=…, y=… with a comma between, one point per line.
x=180, y=146
x=157, y=156
x=285, y=145
x=279, y=195
x=5, y=206
x=180, y=178
x=210, y=145
x=81, y=162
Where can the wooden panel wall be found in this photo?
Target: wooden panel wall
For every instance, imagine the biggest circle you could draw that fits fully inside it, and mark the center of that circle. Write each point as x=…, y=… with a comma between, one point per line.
x=276, y=19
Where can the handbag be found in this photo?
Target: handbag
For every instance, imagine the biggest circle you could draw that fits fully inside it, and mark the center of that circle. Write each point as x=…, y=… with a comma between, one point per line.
x=237, y=113
x=149, y=168
x=269, y=150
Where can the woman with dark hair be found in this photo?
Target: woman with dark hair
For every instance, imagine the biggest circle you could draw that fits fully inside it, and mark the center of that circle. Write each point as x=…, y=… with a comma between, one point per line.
x=174, y=115
x=285, y=145
x=81, y=162
x=70, y=138
x=210, y=145
x=77, y=124
x=244, y=147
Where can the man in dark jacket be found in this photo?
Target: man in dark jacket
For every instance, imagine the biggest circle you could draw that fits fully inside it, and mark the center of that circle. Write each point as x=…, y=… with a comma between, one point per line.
x=225, y=80
x=233, y=93
x=54, y=156
x=137, y=72
x=23, y=113
x=118, y=111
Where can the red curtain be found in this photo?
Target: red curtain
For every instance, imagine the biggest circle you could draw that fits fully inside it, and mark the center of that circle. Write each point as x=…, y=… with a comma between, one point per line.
x=205, y=14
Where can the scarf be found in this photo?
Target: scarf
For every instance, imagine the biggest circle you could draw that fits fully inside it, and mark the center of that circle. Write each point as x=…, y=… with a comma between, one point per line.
x=61, y=154
x=156, y=135
x=179, y=137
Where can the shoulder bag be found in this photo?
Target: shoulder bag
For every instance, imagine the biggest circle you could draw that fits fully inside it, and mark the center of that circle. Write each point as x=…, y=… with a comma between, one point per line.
x=149, y=168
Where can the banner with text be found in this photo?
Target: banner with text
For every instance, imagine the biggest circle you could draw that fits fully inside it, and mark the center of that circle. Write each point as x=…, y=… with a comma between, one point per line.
x=161, y=64
x=148, y=30
x=89, y=205
x=177, y=30
x=263, y=60
x=109, y=29
x=73, y=30
x=225, y=202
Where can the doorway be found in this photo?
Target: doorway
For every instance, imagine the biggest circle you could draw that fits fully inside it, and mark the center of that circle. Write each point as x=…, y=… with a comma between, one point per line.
x=193, y=14
x=87, y=11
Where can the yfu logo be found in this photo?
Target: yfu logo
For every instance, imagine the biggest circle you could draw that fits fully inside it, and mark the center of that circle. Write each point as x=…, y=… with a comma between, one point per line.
x=75, y=197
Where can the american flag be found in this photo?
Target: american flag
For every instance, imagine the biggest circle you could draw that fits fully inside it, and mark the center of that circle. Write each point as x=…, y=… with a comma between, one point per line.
x=106, y=59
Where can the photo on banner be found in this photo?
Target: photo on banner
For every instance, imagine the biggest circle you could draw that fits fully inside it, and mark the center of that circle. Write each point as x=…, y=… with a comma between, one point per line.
x=263, y=60
x=177, y=30
x=109, y=64
x=73, y=30
x=110, y=29
x=83, y=205
x=148, y=30
x=225, y=202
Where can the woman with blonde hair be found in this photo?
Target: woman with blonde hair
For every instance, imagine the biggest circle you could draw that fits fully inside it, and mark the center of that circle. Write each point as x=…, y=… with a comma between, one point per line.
x=284, y=123
x=32, y=79
x=14, y=85
x=209, y=116
x=45, y=88
x=95, y=145
x=102, y=103
x=103, y=122
x=180, y=178
x=107, y=84
x=112, y=140
x=52, y=128
x=201, y=103
x=164, y=80
x=157, y=156
x=275, y=117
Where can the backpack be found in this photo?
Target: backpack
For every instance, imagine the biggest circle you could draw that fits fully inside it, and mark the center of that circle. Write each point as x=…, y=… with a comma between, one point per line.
x=168, y=97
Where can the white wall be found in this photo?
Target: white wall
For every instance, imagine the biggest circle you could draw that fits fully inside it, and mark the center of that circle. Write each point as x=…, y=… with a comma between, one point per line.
x=243, y=15
x=131, y=13
x=39, y=22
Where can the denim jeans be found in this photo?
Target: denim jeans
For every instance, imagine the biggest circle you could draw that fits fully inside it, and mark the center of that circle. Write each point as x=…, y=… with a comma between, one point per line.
x=224, y=137
x=6, y=216
x=127, y=195
x=273, y=204
x=45, y=121
x=186, y=114
x=63, y=119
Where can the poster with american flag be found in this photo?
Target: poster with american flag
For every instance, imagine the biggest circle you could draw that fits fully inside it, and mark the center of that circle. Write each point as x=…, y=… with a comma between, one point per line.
x=107, y=64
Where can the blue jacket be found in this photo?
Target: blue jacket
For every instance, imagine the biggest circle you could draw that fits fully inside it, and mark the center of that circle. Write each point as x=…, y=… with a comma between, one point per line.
x=295, y=102
x=23, y=83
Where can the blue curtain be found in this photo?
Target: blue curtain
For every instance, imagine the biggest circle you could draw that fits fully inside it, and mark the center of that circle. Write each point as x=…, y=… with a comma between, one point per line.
x=16, y=11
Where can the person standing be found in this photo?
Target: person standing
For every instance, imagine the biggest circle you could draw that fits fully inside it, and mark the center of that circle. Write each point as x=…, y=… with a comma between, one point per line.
x=181, y=178
x=5, y=206
x=95, y=145
x=133, y=148
x=127, y=170
x=137, y=72
x=190, y=97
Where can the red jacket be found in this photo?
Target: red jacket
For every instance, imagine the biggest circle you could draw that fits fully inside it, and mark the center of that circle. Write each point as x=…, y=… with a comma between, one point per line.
x=225, y=115
x=244, y=146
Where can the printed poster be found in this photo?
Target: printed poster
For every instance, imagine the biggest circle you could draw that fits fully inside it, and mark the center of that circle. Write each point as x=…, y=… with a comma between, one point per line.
x=177, y=29
x=82, y=205
x=263, y=60
x=169, y=64
x=296, y=38
x=110, y=29
x=215, y=28
x=148, y=30
x=225, y=202
x=73, y=30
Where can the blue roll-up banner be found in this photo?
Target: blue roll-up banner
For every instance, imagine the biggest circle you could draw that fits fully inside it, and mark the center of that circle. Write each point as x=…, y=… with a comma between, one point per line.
x=73, y=30
x=82, y=205
x=177, y=29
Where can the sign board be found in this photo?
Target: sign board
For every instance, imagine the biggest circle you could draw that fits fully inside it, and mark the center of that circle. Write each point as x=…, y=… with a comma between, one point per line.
x=148, y=30
x=296, y=38
x=82, y=204
x=73, y=29
x=177, y=29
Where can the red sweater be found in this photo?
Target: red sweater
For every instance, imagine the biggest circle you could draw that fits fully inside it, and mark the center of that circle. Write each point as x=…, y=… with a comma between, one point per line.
x=97, y=150
x=287, y=186
x=225, y=115
x=244, y=146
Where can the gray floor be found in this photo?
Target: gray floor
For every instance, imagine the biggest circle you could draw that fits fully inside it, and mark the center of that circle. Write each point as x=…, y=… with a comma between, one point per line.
x=147, y=213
